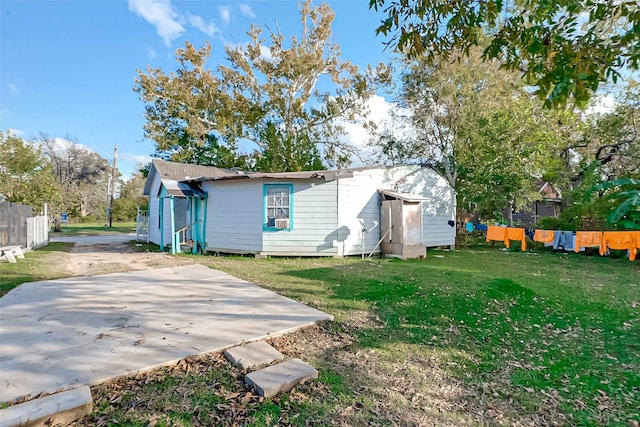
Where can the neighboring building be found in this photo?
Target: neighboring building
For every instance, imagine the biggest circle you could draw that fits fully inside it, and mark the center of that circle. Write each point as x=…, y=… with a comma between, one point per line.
x=315, y=213
x=548, y=206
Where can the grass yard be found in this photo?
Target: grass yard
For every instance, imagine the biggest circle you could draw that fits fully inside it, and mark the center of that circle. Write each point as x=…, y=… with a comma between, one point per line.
x=468, y=337
x=95, y=228
x=41, y=264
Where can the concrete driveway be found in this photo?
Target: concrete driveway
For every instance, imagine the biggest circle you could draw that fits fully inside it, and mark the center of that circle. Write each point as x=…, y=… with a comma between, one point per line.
x=61, y=334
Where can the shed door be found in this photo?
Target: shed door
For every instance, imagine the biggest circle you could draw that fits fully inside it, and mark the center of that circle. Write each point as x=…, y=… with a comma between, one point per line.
x=412, y=223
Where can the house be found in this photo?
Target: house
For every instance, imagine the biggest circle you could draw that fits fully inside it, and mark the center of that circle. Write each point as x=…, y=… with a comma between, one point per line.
x=311, y=213
x=549, y=205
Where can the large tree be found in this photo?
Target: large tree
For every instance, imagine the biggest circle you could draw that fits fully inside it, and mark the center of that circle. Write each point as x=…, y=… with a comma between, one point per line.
x=566, y=48
x=610, y=143
x=289, y=97
x=478, y=126
x=605, y=152
x=81, y=173
x=25, y=174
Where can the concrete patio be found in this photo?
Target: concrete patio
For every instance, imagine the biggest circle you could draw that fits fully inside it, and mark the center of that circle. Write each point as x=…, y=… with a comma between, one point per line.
x=61, y=334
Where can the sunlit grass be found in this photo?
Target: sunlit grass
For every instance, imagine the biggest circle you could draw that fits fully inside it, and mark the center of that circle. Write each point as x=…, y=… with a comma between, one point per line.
x=41, y=264
x=95, y=228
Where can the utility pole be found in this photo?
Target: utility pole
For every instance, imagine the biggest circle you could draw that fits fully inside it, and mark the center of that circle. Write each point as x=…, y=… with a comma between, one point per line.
x=114, y=176
x=106, y=209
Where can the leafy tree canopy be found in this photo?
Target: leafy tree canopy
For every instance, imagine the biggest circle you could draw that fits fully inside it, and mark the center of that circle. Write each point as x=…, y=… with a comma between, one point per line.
x=272, y=92
x=475, y=123
x=80, y=172
x=25, y=174
x=565, y=48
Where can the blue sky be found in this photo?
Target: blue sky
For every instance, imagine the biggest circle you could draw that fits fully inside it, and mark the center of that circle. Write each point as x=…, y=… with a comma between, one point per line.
x=67, y=68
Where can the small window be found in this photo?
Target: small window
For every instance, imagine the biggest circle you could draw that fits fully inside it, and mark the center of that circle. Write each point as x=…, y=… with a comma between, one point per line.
x=277, y=206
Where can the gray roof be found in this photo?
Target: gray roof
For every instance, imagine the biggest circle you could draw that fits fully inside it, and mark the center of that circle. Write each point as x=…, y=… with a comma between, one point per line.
x=407, y=197
x=182, y=189
x=326, y=175
x=181, y=172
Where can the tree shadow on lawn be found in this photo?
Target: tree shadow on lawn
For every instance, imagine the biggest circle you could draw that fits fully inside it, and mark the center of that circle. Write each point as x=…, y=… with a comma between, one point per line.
x=512, y=354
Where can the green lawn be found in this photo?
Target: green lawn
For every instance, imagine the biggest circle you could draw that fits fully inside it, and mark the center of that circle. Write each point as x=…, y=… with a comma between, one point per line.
x=95, y=228
x=465, y=337
x=41, y=264
x=468, y=337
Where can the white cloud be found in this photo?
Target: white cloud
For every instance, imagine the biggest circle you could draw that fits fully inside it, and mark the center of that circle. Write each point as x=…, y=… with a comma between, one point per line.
x=265, y=53
x=358, y=136
x=246, y=10
x=601, y=105
x=151, y=53
x=15, y=132
x=138, y=158
x=13, y=88
x=161, y=14
x=64, y=143
x=197, y=21
x=225, y=14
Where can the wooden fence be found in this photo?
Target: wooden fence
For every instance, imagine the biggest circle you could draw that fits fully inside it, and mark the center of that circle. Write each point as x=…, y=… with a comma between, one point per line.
x=18, y=226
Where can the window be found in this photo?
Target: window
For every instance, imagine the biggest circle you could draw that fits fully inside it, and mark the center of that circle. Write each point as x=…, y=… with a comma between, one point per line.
x=277, y=207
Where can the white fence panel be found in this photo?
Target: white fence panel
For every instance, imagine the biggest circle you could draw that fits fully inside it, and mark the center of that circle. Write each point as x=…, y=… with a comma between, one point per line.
x=37, y=232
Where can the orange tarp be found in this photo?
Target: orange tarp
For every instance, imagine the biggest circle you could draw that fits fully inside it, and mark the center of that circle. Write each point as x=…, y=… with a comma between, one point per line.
x=636, y=245
x=515, y=234
x=496, y=233
x=585, y=239
x=620, y=240
x=543, y=236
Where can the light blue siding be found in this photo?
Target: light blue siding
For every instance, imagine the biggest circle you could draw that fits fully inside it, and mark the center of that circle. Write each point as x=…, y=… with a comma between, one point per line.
x=234, y=216
x=314, y=220
x=327, y=217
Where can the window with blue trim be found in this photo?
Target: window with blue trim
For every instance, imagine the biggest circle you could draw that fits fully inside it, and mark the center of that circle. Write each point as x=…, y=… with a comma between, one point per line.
x=277, y=206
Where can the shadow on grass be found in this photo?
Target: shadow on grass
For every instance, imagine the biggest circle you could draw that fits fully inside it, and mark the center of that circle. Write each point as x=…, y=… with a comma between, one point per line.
x=509, y=327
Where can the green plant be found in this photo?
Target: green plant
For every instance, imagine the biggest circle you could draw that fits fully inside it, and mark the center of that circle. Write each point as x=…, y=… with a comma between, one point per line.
x=626, y=196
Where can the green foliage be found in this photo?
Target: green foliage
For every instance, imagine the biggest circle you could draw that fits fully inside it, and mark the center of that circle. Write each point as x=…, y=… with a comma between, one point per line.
x=25, y=174
x=610, y=144
x=282, y=153
x=81, y=173
x=509, y=328
x=564, y=48
x=626, y=194
x=267, y=94
x=125, y=207
x=479, y=127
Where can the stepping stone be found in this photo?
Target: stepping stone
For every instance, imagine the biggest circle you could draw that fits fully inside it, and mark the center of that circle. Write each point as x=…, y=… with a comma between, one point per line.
x=253, y=354
x=281, y=377
x=57, y=409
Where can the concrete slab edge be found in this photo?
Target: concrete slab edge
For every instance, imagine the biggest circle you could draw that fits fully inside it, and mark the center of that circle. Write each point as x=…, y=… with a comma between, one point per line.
x=56, y=409
x=174, y=362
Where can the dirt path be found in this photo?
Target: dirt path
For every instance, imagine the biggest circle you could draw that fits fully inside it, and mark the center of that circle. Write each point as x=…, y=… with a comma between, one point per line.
x=91, y=255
